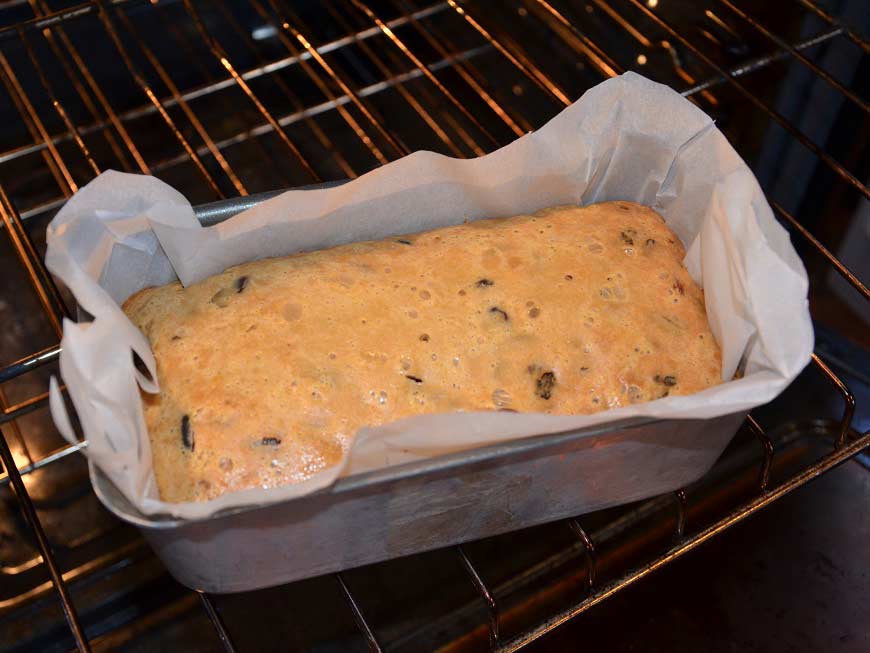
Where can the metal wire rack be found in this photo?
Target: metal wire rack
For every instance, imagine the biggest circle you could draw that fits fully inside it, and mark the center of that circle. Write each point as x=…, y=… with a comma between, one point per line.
x=223, y=99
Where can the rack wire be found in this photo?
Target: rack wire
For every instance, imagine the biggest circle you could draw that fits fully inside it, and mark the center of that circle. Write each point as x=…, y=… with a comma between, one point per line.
x=430, y=59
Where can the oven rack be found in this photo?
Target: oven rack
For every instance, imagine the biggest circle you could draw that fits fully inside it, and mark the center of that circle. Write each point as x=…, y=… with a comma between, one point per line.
x=71, y=145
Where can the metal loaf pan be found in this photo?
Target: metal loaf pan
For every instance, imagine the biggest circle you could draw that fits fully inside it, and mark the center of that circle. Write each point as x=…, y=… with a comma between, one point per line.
x=427, y=504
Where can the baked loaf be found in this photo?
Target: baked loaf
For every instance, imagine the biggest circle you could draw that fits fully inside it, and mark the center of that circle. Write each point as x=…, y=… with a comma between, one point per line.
x=267, y=370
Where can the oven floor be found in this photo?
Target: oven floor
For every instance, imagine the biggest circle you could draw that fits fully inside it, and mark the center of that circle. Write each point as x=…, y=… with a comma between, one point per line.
x=794, y=578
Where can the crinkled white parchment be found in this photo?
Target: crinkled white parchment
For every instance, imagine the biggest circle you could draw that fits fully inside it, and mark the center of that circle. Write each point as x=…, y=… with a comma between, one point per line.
x=628, y=138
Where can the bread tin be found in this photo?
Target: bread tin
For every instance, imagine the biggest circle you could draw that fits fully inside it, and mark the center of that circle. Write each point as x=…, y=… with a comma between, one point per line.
x=428, y=504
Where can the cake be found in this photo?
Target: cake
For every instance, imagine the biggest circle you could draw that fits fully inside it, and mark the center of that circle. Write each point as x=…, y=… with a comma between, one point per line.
x=268, y=369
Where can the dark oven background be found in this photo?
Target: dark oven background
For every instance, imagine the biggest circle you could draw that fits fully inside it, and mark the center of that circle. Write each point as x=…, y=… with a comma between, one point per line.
x=223, y=98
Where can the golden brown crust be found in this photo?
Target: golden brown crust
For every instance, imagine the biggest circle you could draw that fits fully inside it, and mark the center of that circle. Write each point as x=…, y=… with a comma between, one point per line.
x=268, y=369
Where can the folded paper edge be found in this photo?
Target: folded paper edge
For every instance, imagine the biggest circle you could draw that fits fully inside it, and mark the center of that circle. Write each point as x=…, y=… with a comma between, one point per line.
x=157, y=507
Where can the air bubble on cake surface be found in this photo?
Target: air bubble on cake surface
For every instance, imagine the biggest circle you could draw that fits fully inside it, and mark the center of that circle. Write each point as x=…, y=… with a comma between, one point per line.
x=501, y=398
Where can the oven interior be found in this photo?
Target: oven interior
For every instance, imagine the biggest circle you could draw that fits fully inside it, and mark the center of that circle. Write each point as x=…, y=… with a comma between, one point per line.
x=221, y=99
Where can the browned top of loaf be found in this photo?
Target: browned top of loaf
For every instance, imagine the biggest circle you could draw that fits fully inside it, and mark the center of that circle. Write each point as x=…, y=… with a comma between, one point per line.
x=268, y=369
